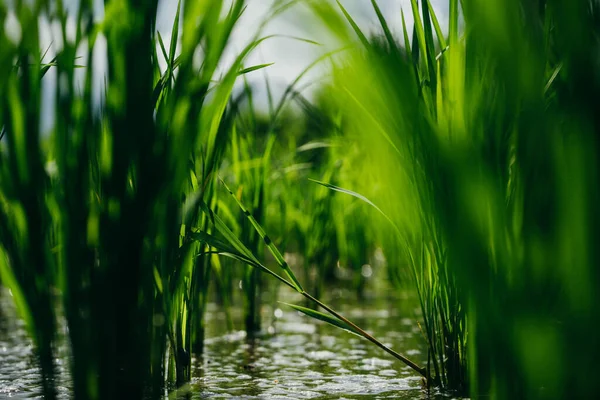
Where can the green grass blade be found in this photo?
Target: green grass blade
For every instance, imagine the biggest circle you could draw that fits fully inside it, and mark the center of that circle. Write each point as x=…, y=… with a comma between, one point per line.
x=233, y=248
x=270, y=245
x=300, y=39
x=552, y=77
x=254, y=68
x=358, y=196
x=429, y=50
x=9, y=280
x=213, y=241
x=290, y=88
x=418, y=29
x=323, y=317
x=384, y=25
x=405, y=33
x=264, y=269
x=162, y=48
x=174, y=36
x=229, y=236
x=436, y=25
x=453, y=22
x=359, y=33
x=224, y=249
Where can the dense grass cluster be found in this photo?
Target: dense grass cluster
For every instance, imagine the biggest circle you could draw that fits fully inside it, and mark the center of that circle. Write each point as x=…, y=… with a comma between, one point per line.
x=469, y=156
x=494, y=131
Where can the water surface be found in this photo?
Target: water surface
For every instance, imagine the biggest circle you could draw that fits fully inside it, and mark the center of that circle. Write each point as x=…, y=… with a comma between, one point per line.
x=293, y=357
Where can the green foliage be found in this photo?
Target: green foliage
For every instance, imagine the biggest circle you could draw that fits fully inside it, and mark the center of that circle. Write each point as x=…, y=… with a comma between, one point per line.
x=485, y=155
x=478, y=148
x=111, y=229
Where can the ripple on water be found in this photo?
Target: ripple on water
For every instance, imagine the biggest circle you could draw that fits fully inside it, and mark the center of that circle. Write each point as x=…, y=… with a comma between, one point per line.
x=302, y=360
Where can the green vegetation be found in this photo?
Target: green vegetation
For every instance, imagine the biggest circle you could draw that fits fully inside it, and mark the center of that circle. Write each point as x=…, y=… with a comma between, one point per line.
x=468, y=157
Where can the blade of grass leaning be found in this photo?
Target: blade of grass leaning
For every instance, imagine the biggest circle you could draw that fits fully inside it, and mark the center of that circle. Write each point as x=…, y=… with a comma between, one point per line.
x=359, y=33
x=347, y=323
x=323, y=317
x=384, y=26
x=212, y=241
x=429, y=50
x=235, y=249
x=174, y=36
x=405, y=33
x=278, y=256
x=367, y=336
x=161, y=43
x=436, y=25
x=254, y=68
x=290, y=88
x=358, y=196
x=418, y=27
x=224, y=230
x=266, y=270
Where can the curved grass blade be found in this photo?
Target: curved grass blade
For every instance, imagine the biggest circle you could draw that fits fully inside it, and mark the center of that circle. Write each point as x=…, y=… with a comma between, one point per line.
x=213, y=241
x=254, y=68
x=300, y=39
x=163, y=49
x=359, y=33
x=324, y=317
x=429, y=46
x=278, y=256
x=367, y=336
x=405, y=33
x=358, y=196
x=235, y=248
x=174, y=36
x=384, y=26
x=419, y=30
x=259, y=266
x=224, y=230
x=290, y=88
x=436, y=26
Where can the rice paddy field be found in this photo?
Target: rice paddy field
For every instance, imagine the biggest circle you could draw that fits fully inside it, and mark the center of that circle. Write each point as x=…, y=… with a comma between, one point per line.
x=413, y=214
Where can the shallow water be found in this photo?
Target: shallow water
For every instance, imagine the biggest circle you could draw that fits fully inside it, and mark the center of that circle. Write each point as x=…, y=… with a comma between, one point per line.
x=19, y=374
x=293, y=358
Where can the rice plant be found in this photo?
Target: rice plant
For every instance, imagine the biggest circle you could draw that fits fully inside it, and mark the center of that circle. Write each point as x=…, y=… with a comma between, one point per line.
x=111, y=225
x=490, y=132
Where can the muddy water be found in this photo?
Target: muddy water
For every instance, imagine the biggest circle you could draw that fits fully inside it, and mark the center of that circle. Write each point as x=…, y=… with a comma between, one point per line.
x=293, y=358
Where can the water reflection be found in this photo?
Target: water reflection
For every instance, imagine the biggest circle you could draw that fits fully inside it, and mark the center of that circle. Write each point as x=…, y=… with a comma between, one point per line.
x=294, y=358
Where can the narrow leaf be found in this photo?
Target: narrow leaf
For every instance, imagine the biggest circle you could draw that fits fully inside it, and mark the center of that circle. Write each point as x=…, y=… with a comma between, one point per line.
x=162, y=48
x=358, y=196
x=270, y=245
x=324, y=317
x=174, y=36
x=254, y=68
x=384, y=25
x=436, y=25
x=359, y=33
